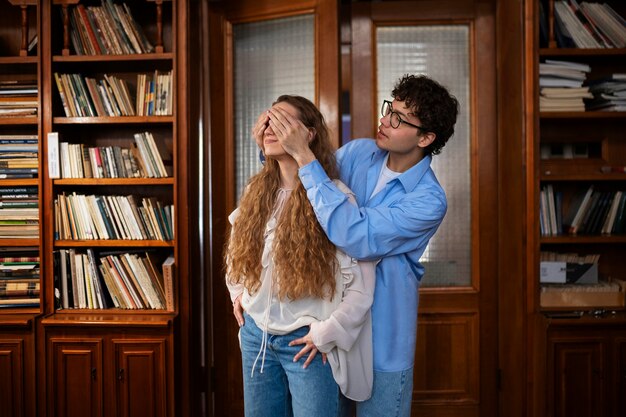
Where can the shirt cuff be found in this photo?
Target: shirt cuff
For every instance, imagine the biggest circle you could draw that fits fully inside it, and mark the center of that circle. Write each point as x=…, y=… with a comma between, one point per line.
x=312, y=174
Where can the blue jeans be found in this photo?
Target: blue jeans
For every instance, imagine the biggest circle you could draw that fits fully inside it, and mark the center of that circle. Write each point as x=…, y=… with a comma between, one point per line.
x=282, y=388
x=391, y=395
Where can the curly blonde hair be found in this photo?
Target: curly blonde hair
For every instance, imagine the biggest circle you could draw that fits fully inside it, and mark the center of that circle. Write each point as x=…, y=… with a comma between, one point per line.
x=304, y=258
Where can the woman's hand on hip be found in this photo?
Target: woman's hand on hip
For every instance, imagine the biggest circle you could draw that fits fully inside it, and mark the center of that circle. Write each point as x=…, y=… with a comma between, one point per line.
x=238, y=311
x=309, y=348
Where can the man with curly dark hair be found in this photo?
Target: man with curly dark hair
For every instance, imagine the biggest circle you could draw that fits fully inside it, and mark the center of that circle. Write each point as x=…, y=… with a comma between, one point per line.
x=400, y=206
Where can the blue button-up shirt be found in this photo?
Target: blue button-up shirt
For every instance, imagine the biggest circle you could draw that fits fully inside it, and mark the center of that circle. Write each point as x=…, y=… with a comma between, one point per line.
x=394, y=226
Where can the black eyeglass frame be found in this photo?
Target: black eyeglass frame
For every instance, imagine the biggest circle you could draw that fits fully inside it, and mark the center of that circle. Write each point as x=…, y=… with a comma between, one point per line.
x=388, y=104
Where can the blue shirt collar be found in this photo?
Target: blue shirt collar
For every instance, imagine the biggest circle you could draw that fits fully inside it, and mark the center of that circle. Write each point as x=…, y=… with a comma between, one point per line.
x=412, y=176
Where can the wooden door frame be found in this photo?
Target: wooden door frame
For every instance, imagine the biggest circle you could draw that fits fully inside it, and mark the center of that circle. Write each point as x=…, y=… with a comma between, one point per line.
x=479, y=15
x=515, y=325
x=226, y=368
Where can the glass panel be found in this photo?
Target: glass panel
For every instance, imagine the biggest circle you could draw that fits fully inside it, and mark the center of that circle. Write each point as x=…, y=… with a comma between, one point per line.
x=271, y=58
x=442, y=53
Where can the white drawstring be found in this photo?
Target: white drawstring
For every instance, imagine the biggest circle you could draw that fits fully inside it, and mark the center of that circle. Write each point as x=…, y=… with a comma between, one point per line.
x=263, y=348
x=280, y=203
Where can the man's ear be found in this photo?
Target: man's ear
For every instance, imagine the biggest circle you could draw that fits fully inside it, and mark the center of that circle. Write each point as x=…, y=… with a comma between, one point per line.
x=426, y=139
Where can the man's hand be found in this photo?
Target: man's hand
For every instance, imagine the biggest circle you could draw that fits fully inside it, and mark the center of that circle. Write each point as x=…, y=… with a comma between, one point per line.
x=238, y=311
x=259, y=127
x=309, y=346
x=293, y=135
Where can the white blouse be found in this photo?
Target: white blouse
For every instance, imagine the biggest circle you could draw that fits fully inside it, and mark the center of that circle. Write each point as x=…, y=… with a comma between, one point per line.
x=340, y=327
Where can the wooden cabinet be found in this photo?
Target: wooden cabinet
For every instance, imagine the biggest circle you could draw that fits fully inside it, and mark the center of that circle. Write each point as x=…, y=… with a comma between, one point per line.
x=17, y=366
x=125, y=372
x=75, y=376
x=619, y=373
x=585, y=366
x=578, y=381
x=141, y=377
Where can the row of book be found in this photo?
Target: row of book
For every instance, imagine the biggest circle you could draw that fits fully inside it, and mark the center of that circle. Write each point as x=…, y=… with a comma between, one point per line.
x=155, y=94
x=113, y=280
x=109, y=29
x=19, y=277
x=564, y=87
x=19, y=213
x=591, y=212
x=88, y=217
x=141, y=160
x=545, y=256
x=18, y=98
x=19, y=156
x=112, y=96
x=587, y=25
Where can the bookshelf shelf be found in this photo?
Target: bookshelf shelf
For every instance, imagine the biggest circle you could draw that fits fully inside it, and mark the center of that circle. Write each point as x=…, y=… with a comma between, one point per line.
x=585, y=177
x=19, y=60
x=111, y=317
x=164, y=56
x=574, y=52
x=18, y=243
x=114, y=181
x=18, y=182
x=113, y=243
x=33, y=120
x=582, y=239
x=114, y=120
x=12, y=317
x=584, y=115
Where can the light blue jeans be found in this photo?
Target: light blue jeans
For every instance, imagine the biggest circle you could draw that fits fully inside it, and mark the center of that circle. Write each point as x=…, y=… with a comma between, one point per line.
x=282, y=388
x=391, y=395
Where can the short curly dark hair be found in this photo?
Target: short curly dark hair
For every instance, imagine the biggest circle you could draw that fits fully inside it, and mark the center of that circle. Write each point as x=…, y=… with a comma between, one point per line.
x=433, y=104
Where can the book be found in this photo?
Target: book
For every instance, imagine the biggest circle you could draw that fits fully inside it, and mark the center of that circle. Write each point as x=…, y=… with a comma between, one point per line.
x=578, y=207
x=54, y=170
x=168, y=281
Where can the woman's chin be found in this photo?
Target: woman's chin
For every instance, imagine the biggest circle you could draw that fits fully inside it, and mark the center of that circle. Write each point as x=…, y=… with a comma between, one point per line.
x=274, y=153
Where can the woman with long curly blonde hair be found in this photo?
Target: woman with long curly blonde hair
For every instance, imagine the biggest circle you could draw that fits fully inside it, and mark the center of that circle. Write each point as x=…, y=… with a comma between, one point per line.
x=290, y=286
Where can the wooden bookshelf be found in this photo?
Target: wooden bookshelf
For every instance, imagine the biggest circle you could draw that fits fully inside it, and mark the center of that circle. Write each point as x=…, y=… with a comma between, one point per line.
x=42, y=338
x=597, y=338
x=20, y=21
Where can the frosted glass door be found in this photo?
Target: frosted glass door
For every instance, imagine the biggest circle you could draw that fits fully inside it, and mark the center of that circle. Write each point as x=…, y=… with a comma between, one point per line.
x=442, y=53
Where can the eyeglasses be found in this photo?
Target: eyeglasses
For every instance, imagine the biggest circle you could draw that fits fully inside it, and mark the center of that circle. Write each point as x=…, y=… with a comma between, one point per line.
x=395, y=120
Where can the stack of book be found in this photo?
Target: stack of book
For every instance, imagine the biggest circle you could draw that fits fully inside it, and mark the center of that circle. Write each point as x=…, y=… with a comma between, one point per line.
x=19, y=277
x=588, y=25
x=18, y=98
x=106, y=30
x=121, y=280
x=19, y=156
x=88, y=217
x=609, y=93
x=561, y=85
x=19, y=213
